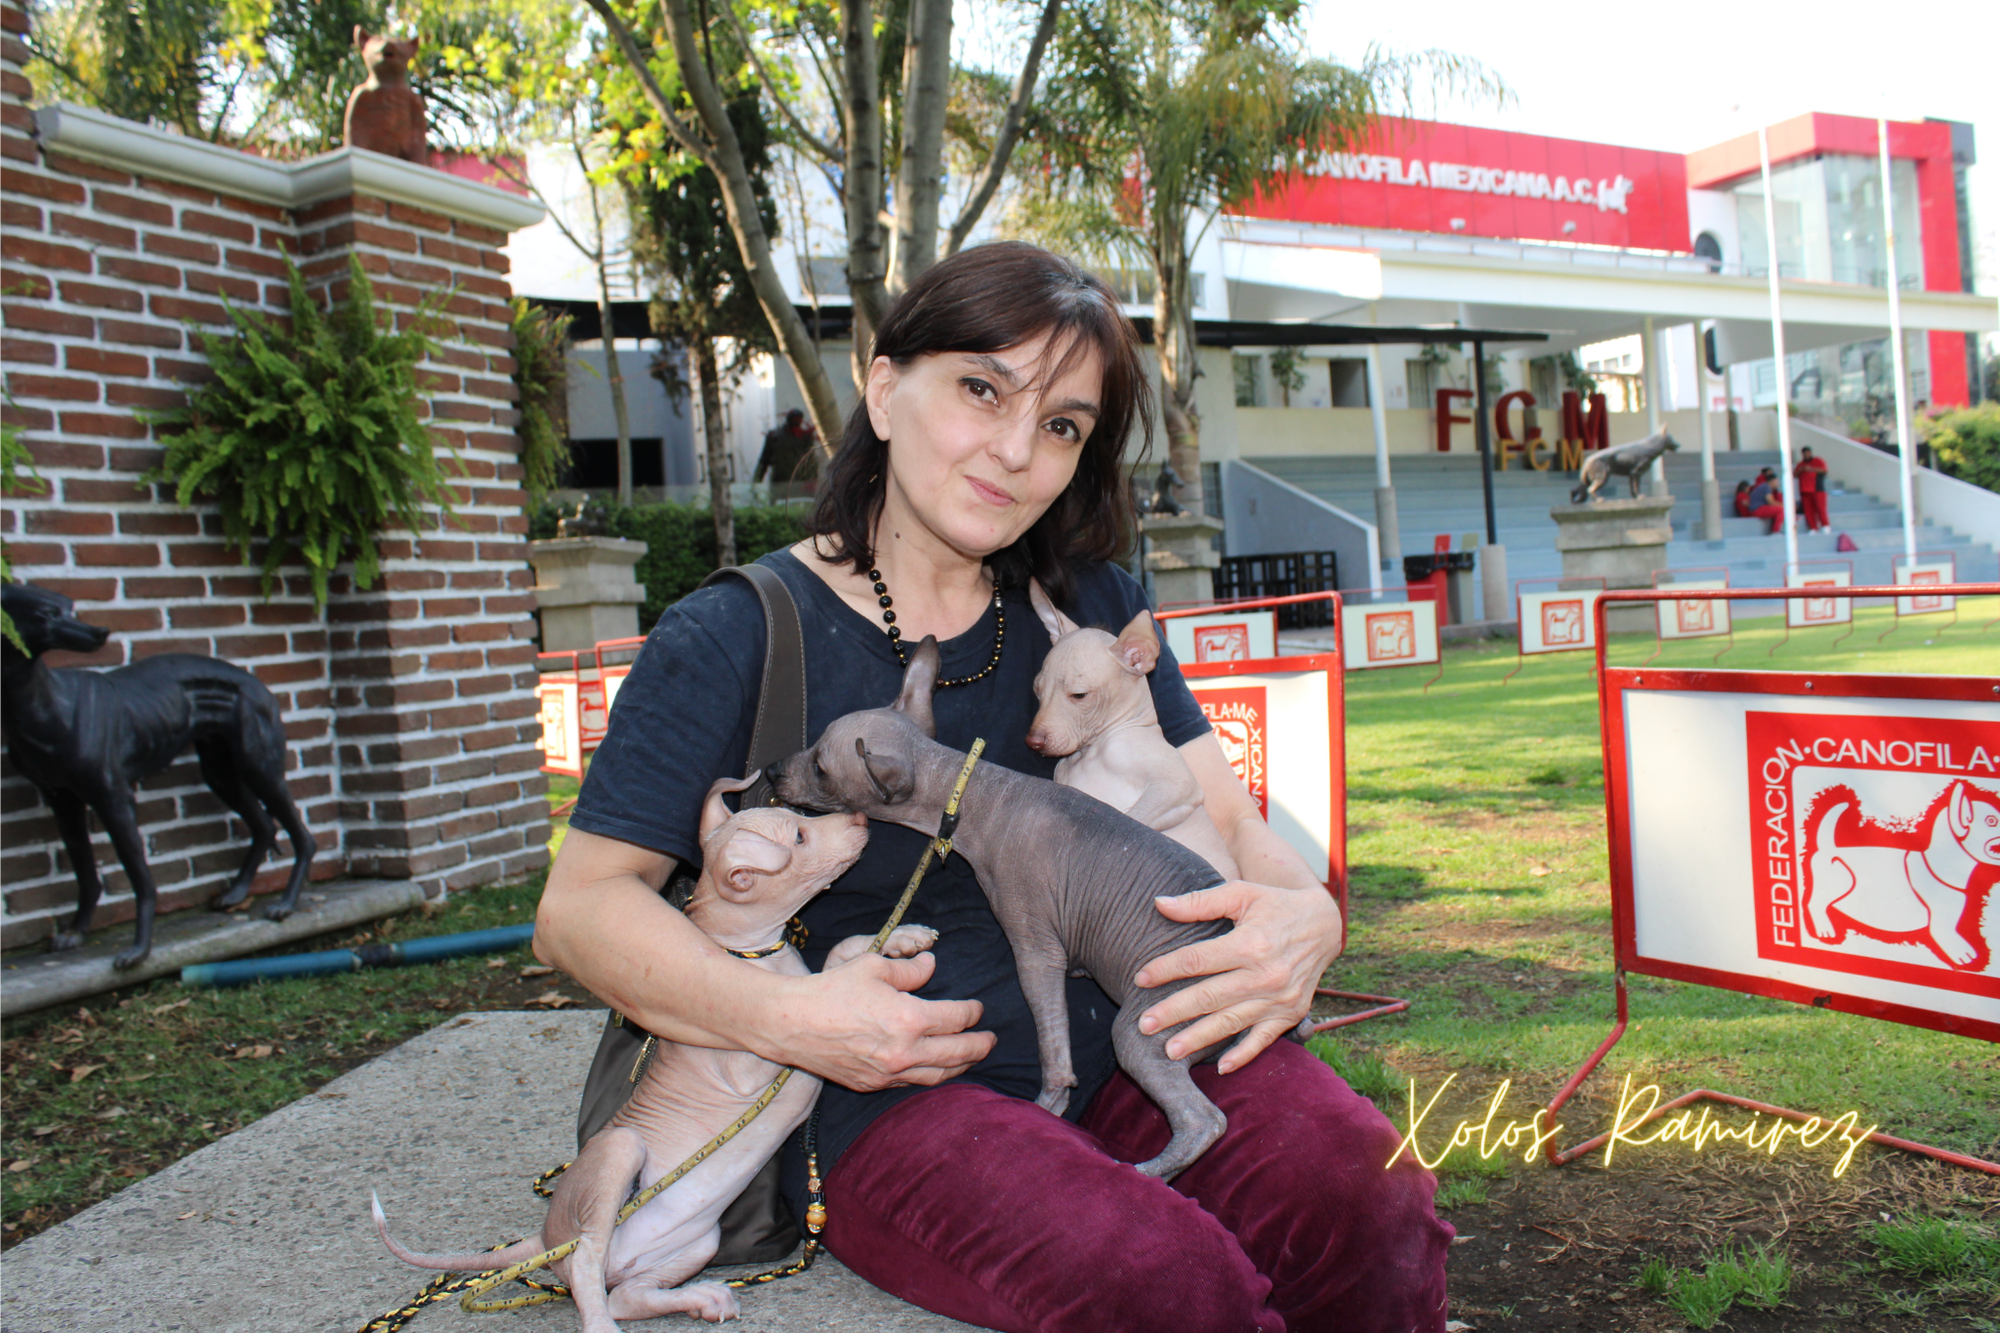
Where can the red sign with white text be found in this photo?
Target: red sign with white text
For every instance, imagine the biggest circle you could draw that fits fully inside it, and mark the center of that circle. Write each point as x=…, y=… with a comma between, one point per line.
x=1881, y=845
x=1238, y=717
x=1415, y=175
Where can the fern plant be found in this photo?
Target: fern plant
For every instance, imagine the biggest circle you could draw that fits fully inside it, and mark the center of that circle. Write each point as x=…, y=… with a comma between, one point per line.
x=542, y=374
x=14, y=457
x=308, y=439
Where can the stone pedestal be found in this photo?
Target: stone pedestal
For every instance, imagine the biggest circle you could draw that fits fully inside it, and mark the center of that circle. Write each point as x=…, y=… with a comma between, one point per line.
x=1493, y=597
x=1620, y=541
x=586, y=590
x=1181, y=556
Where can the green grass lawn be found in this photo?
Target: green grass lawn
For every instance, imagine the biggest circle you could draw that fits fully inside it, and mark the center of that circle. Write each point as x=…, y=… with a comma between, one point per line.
x=1480, y=892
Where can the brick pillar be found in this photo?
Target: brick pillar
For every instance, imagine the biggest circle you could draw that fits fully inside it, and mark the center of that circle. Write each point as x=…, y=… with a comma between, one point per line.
x=410, y=708
x=434, y=675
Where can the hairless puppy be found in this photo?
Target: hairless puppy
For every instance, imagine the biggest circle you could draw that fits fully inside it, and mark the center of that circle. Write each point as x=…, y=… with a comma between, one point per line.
x=1071, y=881
x=1097, y=713
x=760, y=867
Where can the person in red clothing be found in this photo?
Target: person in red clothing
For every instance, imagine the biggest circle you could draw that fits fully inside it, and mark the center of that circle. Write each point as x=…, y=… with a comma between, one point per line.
x=1810, y=474
x=1743, y=500
x=1764, y=501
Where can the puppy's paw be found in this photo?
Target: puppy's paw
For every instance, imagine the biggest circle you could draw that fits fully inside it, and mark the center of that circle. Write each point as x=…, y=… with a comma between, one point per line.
x=131, y=958
x=1055, y=1096
x=278, y=912
x=710, y=1301
x=63, y=941
x=909, y=941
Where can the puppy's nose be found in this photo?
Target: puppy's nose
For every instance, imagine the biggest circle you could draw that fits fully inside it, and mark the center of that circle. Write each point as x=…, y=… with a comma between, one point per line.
x=1037, y=739
x=858, y=819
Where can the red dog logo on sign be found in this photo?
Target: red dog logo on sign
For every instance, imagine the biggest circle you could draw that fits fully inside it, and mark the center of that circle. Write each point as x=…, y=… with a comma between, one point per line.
x=1562, y=622
x=1819, y=610
x=1392, y=635
x=1238, y=719
x=1877, y=845
x=1222, y=643
x=1694, y=617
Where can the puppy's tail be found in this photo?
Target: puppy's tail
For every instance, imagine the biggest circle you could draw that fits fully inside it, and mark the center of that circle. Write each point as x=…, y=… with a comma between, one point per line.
x=481, y=1261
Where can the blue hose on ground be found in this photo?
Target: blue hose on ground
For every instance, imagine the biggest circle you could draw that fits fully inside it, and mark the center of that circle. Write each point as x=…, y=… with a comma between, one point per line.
x=432, y=949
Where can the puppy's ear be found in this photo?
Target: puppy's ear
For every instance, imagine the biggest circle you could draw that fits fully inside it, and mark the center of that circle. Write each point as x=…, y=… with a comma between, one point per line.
x=1958, y=810
x=360, y=37
x=892, y=775
x=1052, y=620
x=713, y=812
x=744, y=857
x=918, y=682
x=1138, y=645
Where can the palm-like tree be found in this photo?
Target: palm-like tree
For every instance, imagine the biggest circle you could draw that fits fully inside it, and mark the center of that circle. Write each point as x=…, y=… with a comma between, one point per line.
x=1161, y=113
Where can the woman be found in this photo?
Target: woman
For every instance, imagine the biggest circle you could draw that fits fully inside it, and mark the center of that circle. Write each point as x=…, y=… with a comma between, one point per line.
x=1743, y=509
x=986, y=449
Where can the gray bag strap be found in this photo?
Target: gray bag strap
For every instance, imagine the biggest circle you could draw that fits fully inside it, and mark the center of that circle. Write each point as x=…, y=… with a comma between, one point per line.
x=779, y=731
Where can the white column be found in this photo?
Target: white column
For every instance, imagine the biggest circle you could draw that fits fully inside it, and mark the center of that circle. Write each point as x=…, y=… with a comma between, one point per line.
x=1711, y=495
x=1905, y=447
x=1649, y=366
x=1387, y=526
x=1783, y=377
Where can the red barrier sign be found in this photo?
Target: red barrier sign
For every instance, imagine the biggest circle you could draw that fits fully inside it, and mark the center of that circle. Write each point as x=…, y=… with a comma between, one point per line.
x=1828, y=838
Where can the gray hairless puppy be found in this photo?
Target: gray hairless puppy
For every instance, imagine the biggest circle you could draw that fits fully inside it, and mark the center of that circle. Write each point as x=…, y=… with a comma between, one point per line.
x=1071, y=880
x=1627, y=460
x=760, y=866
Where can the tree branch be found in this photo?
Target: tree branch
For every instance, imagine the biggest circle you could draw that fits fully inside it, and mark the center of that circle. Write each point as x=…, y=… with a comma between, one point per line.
x=770, y=85
x=684, y=134
x=1010, y=132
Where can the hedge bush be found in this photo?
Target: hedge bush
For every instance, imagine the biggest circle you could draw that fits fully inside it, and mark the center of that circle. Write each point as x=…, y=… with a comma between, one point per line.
x=680, y=544
x=1966, y=443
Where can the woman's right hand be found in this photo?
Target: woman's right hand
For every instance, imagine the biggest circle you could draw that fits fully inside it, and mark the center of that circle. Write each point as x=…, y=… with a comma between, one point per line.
x=859, y=1026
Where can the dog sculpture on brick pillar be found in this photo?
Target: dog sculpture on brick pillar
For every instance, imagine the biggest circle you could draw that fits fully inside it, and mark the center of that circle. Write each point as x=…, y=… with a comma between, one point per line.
x=385, y=115
x=86, y=738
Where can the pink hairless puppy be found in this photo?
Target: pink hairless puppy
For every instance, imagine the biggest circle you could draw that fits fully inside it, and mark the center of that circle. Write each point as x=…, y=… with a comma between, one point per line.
x=1097, y=713
x=759, y=867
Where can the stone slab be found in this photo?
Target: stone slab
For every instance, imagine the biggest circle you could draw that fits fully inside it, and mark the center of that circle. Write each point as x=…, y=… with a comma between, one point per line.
x=267, y=1230
x=196, y=935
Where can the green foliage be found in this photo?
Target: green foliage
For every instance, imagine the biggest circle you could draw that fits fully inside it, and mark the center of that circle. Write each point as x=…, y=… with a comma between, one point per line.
x=1359, y=1068
x=1966, y=443
x=1754, y=1275
x=1935, y=1248
x=1575, y=375
x=541, y=372
x=680, y=543
x=1288, y=371
x=308, y=439
x=14, y=457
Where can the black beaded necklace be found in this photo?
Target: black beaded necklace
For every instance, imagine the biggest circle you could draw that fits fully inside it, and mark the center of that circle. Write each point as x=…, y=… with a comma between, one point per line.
x=896, y=633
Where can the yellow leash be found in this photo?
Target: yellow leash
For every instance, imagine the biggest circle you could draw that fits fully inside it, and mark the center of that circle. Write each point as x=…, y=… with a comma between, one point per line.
x=475, y=1287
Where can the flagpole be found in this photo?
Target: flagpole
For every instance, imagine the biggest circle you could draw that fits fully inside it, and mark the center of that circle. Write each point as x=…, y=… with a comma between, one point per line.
x=1782, y=377
x=1905, y=448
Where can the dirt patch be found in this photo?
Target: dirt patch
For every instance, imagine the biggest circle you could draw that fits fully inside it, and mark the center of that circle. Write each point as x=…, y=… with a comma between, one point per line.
x=1562, y=1248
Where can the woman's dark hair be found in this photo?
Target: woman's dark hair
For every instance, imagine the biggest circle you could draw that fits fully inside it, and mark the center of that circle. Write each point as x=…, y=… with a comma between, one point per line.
x=1742, y=486
x=984, y=300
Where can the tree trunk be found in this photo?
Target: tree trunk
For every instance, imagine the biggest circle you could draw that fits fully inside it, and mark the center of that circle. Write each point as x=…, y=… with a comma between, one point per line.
x=723, y=154
x=862, y=183
x=701, y=350
x=920, y=180
x=616, y=377
x=1173, y=337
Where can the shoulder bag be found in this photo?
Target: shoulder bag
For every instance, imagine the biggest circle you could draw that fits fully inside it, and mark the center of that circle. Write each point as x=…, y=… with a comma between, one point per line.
x=758, y=1227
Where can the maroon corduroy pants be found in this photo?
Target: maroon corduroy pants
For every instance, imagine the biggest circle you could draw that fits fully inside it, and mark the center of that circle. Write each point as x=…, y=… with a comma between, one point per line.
x=990, y=1210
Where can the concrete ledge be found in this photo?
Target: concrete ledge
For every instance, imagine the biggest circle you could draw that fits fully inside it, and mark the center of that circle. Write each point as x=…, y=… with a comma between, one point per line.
x=267, y=1230
x=36, y=981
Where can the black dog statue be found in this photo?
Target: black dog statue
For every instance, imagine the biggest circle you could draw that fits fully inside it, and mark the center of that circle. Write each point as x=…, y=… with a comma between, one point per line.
x=1627, y=460
x=85, y=738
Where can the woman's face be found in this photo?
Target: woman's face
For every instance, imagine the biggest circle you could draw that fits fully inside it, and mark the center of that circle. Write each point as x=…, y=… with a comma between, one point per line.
x=978, y=447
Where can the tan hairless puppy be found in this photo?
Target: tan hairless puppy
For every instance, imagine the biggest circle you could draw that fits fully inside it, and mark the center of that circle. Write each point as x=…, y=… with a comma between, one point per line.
x=759, y=867
x=1097, y=713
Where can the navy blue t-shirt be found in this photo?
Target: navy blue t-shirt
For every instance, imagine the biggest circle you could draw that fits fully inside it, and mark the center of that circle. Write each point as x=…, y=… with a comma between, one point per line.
x=683, y=718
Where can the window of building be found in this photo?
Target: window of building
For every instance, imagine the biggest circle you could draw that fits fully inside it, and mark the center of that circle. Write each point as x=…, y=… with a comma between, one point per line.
x=1829, y=221
x=1421, y=379
x=593, y=464
x=1347, y=378
x=1249, y=380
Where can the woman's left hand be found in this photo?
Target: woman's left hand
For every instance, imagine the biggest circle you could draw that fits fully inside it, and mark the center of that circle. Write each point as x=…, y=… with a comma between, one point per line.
x=1257, y=980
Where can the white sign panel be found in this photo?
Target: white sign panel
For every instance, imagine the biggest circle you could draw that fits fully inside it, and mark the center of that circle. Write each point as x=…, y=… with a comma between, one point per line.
x=1223, y=636
x=1921, y=575
x=1843, y=845
x=1558, y=622
x=1393, y=635
x=1277, y=730
x=1805, y=612
x=1693, y=617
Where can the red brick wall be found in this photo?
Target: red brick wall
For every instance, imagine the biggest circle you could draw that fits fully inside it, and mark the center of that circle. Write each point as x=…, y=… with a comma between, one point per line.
x=410, y=706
